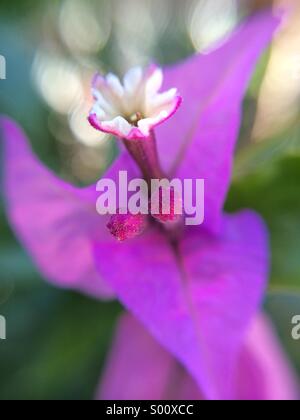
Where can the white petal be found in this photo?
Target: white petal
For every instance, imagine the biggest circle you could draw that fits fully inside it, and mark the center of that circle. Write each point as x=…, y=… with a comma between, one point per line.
x=101, y=114
x=164, y=98
x=154, y=83
x=107, y=107
x=145, y=126
x=140, y=94
x=118, y=124
x=114, y=84
x=132, y=80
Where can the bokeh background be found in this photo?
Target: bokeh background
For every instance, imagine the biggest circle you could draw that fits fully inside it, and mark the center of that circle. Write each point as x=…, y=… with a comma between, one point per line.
x=58, y=340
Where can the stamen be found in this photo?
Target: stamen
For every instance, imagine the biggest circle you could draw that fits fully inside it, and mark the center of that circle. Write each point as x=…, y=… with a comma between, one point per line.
x=135, y=118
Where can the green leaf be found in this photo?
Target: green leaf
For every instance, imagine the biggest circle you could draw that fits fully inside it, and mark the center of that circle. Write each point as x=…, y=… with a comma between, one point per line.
x=274, y=192
x=255, y=156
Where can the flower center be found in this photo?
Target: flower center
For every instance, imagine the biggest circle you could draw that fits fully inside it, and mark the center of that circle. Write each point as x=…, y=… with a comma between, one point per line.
x=135, y=118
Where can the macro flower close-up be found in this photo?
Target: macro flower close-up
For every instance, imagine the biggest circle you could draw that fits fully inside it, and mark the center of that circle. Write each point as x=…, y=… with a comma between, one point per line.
x=156, y=202
x=133, y=109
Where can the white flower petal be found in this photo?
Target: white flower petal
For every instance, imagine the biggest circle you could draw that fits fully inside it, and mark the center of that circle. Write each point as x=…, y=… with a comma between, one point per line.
x=115, y=103
x=103, y=103
x=114, y=84
x=154, y=83
x=164, y=98
x=160, y=102
x=101, y=114
x=118, y=125
x=145, y=126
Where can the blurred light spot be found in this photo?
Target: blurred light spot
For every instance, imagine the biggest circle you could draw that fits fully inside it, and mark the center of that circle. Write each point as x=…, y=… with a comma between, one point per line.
x=135, y=32
x=279, y=98
x=82, y=130
x=88, y=162
x=160, y=13
x=81, y=28
x=58, y=81
x=210, y=21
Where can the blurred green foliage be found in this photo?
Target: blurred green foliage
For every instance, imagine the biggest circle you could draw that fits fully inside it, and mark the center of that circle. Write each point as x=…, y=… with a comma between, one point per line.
x=273, y=191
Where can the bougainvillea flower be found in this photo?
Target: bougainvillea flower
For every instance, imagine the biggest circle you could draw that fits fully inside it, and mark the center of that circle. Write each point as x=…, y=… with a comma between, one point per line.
x=139, y=368
x=197, y=296
x=132, y=109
